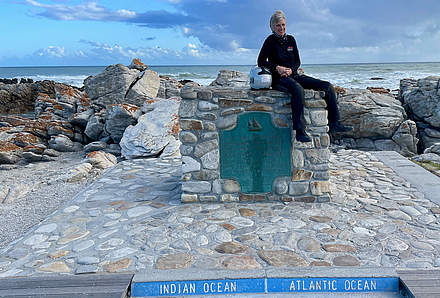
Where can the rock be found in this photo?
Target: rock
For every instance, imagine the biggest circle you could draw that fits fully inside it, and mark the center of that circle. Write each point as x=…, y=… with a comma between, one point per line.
x=81, y=119
x=95, y=146
x=94, y=127
x=136, y=63
x=308, y=244
x=433, y=149
x=31, y=156
x=79, y=173
x=231, y=78
x=241, y=263
x=119, y=117
x=231, y=248
x=110, y=86
x=101, y=160
x=156, y=131
x=281, y=258
x=346, y=260
x=371, y=114
x=9, y=153
x=61, y=143
x=379, y=90
x=145, y=88
x=118, y=265
x=339, y=248
x=16, y=98
x=56, y=128
x=168, y=87
x=405, y=137
x=51, y=152
x=422, y=100
x=55, y=267
x=174, y=261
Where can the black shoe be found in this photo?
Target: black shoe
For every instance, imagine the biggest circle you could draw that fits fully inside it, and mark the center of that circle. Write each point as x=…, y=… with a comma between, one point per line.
x=301, y=136
x=338, y=127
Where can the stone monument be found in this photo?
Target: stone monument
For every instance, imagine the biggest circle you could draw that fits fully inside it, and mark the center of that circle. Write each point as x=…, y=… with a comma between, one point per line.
x=238, y=146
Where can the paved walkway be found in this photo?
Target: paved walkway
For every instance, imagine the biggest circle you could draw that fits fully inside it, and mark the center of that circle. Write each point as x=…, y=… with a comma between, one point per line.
x=131, y=219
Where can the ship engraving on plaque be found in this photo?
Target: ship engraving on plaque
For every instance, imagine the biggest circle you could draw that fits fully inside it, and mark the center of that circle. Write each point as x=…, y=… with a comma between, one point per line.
x=255, y=152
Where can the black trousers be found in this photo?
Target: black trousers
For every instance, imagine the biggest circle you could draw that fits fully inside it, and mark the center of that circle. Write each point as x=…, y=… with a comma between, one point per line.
x=295, y=85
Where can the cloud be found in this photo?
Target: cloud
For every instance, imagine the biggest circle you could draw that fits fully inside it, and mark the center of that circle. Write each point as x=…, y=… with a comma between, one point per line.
x=98, y=53
x=91, y=11
x=51, y=51
x=320, y=26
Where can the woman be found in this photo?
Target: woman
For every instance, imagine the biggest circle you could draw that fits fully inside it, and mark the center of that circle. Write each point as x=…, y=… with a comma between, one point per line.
x=279, y=54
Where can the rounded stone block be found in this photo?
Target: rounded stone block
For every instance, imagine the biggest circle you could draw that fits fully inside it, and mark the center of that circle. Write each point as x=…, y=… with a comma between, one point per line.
x=231, y=186
x=298, y=188
x=191, y=124
x=281, y=187
x=188, y=137
x=205, y=106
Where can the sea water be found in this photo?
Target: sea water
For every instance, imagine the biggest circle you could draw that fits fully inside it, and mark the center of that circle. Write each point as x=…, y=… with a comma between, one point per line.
x=387, y=75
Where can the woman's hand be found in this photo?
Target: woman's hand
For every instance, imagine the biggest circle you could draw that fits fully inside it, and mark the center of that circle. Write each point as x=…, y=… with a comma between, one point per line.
x=283, y=71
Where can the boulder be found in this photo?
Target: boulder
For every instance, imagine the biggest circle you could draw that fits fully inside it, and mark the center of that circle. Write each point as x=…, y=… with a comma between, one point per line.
x=423, y=101
x=79, y=172
x=61, y=143
x=101, y=160
x=136, y=63
x=433, y=149
x=16, y=98
x=94, y=127
x=110, y=86
x=119, y=117
x=81, y=119
x=231, y=78
x=406, y=138
x=144, y=88
x=9, y=153
x=372, y=115
x=156, y=131
x=95, y=146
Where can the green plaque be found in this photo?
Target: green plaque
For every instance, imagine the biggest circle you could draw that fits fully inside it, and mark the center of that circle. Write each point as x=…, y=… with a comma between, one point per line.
x=255, y=152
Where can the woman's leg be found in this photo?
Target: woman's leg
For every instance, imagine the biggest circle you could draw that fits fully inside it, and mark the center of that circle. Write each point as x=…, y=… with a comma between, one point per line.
x=289, y=85
x=330, y=95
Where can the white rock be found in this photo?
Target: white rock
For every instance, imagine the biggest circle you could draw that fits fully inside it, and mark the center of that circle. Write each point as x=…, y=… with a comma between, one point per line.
x=154, y=131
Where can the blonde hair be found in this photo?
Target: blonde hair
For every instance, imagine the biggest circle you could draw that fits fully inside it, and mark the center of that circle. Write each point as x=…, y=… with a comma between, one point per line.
x=277, y=16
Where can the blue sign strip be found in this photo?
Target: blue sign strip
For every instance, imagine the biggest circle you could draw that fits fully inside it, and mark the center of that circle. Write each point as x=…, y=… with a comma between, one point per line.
x=198, y=287
x=328, y=285
x=264, y=285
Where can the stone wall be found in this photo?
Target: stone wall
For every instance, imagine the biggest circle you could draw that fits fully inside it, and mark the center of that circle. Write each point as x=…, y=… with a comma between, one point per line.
x=206, y=111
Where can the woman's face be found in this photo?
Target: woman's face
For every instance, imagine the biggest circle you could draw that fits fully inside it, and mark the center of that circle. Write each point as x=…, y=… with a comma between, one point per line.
x=280, y=27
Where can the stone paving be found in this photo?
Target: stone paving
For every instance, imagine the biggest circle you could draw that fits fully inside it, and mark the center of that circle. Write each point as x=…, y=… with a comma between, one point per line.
x=131, y=219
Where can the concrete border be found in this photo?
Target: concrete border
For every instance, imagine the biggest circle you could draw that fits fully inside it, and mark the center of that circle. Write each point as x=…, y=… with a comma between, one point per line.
x=425, y=182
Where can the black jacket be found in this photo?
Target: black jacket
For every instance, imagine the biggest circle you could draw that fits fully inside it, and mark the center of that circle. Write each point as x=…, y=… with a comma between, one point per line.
x=279, y=51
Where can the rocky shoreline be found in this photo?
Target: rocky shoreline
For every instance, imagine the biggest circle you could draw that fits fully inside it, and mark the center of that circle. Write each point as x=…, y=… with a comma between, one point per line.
x=129, y=112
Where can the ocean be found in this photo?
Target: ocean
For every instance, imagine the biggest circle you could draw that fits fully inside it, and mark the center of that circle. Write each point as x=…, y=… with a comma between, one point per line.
x=387, y=75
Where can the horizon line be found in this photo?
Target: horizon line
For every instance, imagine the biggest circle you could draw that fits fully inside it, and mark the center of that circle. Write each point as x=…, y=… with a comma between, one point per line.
x=186, y=65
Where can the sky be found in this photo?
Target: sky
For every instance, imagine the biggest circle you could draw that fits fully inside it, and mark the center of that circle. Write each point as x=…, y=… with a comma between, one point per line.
x=214, y=32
